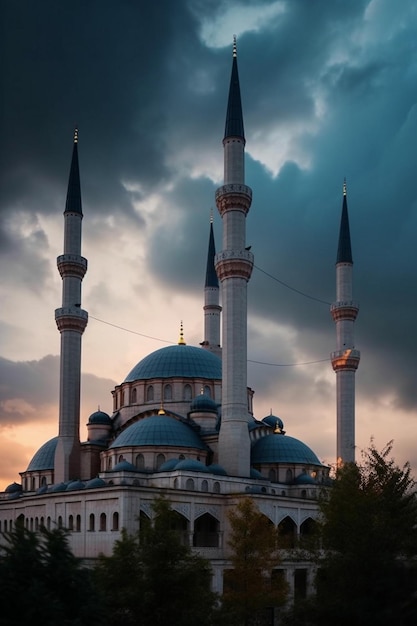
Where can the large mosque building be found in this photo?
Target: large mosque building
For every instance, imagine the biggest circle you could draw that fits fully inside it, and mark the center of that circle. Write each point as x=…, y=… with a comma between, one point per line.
x=182, y=422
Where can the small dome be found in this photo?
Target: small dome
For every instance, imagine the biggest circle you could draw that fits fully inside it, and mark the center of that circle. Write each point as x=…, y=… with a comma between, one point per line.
x=74, y=485
x=95, y=482
x=13, y=488
x=58, y=487
x=305, y=479
x=254, y=473
x=124, y=466
x=279, y=448
x=204, y=403
x=192, y=465
x=45, y=457
x=177, y=361
x=169, y=465
x=214, y=468
x=274, y=421
x=159, y=430
x=99, y=417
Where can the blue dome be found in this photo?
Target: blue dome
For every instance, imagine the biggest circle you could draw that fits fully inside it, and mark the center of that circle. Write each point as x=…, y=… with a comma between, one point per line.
x=203, y=403
x=124, y=466
x=177, y=361
x=99, y=417
x=274, y=421
x=191, y=464
x=74, y=485
x=169, y=465
x=159, y=430
x=13, y=488
x=44, y=457
x=57, y=487
x=254, y=473
x=280, y=448
x=95, y=482
x=214, y=468
x=305, y=479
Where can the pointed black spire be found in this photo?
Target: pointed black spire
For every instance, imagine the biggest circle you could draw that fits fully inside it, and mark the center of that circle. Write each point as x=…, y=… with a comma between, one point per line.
x=234, y=117
x=211, y=276
x=344, y=250
x=73, y=203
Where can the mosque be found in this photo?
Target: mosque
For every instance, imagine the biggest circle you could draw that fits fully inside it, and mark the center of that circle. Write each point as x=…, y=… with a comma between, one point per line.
x=182, y=422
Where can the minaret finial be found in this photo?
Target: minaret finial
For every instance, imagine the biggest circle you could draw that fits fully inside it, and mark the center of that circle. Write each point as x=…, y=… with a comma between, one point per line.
x=211, y=216
x=344, y=186
x=181, y=341
x=75, y=135
x=234, y=46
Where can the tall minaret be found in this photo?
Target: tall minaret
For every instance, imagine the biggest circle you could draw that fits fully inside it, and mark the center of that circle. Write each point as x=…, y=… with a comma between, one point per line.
x=212, y=308
x=345, y=360
x=71, y=320
x=234, y=267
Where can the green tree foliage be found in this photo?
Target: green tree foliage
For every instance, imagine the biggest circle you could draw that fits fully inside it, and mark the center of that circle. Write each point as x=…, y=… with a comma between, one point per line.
x=367, y=571
x=252, y=586
x=153, y=579
x=42, y=582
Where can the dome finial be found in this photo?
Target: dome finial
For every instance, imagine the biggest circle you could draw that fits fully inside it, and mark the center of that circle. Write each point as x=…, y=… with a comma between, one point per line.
x=234, y=46
x=181, y=341
x=75, y=135
x=344, y=186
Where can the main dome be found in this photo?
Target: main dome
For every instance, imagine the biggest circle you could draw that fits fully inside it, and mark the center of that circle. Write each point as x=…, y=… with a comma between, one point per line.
x=177, y=361
x=159, y=430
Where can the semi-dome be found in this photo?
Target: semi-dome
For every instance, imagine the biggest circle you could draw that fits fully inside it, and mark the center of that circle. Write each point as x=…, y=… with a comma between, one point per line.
x=215, y=468
x=192, y=465
x=99, y=417
x=95, y=483
x=44, y=457
x=177, y=361
x=279, y=448
x=305, y=479
x=124, y=466
x=159, y=430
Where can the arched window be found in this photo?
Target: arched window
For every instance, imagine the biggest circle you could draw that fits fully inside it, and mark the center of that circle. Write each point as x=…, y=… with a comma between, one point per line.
x=187, y=393
x=43, y=480
x=149, y=394
x=91, y=523
x=78, y=523
x=287, y=532
x=121, y=458
x=167, y=392
x=207, y=391
x=109, y=463
x=272, y=475
x=160, y=459
x=206, y=532
x=289, y=476
x=134, y=396
x=71, y=522
x=60, y=525
x=103, y=522
x=48, y=523
x=189, y=484
x=115, y=522
x=140, y=461
x=204, y=485
x=216, y=487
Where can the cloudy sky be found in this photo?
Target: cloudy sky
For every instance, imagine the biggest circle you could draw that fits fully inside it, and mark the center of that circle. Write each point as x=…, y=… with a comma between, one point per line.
x=329, y=91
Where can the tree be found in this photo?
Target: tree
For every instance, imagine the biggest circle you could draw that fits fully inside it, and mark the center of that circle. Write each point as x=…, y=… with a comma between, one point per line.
x=43, y=582
x=367, y=572
x=152, y=579
x=251, y=588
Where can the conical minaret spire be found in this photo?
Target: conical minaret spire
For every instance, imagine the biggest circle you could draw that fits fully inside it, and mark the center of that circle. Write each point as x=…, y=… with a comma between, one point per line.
x=345, y=359
x=234, y=267
x=212, y=309
x=71, y=321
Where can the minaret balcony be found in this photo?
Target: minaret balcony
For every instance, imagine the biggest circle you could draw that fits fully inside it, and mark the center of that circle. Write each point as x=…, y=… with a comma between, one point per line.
x=344, y=310
x=234, y=196
x=234, y=264
x=71, y=318
x=72, y=265
x=347, y=359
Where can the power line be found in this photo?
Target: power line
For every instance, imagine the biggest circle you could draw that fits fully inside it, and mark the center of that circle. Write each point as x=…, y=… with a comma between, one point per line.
x=306, y=295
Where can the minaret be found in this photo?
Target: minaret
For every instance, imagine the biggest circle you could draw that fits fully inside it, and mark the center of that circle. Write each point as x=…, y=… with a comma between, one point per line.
x=71, y=320
x=234, y=267
x=345, y=360
x=212, y=308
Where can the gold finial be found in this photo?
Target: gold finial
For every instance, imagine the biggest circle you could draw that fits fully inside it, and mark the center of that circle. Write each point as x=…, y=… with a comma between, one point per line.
x=76, y=135
x=344, y=186
x=234, y=46
x=161, y=410
x=181, y=341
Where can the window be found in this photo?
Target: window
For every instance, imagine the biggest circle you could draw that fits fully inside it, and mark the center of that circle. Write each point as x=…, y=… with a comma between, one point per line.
x=204, y=486
x=78, y=523
x=207, y=391
x=206, y=532
x=187, y=393
x=272, y=475
x=115, y=523
x=149, y=394
x=160, y=460
x=140, y=461
x=287, y=531
x=103, y=522
x=134, y=396
x=71, y=522
x=167, y=392
x=189, y=484
x=289, y=476
x=91, y=523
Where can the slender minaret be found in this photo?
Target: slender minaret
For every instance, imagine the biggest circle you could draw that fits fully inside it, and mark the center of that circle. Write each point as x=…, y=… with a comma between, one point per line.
x=234, y=267
x=345, y=360
x=71, y=320
x=212, y=308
